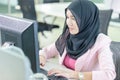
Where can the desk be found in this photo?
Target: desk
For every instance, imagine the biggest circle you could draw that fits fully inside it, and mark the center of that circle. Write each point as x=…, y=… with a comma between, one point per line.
x=53, y=9
x=57, y=9
x=53, y=63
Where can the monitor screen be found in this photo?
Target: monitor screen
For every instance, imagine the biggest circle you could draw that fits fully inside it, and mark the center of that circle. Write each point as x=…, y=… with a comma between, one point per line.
x=23, y=33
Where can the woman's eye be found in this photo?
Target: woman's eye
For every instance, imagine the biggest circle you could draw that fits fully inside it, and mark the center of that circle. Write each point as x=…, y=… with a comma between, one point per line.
x=67, y=17
x=72, y=18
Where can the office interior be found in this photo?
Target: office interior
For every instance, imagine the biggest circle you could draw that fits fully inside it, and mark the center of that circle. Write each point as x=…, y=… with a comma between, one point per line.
x=11, y=7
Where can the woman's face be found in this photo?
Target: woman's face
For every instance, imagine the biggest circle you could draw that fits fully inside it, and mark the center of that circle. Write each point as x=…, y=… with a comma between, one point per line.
x=71, y=22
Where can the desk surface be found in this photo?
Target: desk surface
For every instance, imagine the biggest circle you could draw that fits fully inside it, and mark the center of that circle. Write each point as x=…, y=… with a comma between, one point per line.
x=53, y=63
x=57, y=9
x=54, y=9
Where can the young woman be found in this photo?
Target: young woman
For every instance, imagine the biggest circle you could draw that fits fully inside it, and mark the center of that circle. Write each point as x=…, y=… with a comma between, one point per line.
x=81, y=47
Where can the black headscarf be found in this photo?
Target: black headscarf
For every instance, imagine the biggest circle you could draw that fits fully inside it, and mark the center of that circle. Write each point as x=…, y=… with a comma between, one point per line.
x=87, y=18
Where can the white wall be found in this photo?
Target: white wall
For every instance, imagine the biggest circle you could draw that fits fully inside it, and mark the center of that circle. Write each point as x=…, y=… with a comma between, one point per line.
x=12, y=2
x=113, y=4
x=107, y=3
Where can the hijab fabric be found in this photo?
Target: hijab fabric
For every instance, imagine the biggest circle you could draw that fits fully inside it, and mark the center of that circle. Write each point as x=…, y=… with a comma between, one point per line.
x=86, y=15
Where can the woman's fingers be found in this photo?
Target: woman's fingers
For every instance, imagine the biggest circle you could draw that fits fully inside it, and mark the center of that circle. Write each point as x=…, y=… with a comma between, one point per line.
x=53, y=71
x=58, y=72
x=42, y=61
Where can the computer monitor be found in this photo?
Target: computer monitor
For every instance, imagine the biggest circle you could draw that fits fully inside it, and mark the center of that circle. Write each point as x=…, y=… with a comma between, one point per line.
x=23, y=34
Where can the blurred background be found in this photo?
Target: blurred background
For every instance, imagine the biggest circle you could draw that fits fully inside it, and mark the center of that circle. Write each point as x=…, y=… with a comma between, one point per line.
x=47, y=36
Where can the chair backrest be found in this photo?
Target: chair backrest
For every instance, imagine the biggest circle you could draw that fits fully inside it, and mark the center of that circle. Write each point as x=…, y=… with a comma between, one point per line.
x=28, y=9
x=115, y=48
x=14, y=65
x=105, y=16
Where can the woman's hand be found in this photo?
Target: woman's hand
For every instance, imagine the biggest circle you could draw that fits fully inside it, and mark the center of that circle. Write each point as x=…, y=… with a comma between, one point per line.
x=70, y=74
x=42, y=60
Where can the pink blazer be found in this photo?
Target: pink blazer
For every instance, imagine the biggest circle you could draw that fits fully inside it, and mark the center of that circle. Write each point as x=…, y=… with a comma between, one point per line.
x=97, y=59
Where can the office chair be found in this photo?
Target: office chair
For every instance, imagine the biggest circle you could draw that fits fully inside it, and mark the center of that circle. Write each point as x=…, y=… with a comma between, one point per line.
x=28, y=10
x=115, y=48
x=105, y=17
x=14, y=64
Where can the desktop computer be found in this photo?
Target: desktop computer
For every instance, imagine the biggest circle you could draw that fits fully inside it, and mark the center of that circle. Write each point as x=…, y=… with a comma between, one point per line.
x=23, y=33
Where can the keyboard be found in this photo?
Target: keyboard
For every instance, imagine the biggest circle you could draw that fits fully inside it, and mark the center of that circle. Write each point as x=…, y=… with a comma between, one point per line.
x=52, y=77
